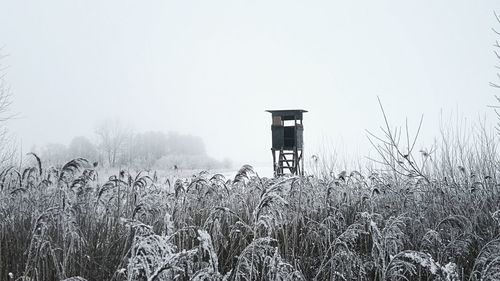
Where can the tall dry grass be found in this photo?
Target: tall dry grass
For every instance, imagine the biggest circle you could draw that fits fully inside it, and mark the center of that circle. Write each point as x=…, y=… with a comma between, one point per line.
x=63, y=223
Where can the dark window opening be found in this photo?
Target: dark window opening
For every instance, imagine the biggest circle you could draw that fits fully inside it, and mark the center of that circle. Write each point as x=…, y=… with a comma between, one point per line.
x=289, y=137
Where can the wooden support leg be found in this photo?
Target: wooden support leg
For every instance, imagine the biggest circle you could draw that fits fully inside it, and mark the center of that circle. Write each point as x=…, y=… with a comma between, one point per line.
x=274, y=161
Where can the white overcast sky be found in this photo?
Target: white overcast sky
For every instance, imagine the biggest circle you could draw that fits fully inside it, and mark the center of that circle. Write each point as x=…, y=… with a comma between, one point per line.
x=211, y=68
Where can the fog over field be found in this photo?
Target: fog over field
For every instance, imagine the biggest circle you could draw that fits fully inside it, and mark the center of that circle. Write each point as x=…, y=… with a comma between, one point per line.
x=256, y=140
x=211, y=68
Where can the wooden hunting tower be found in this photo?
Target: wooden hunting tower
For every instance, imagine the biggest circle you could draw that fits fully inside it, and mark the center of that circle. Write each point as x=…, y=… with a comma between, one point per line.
x=288, y=141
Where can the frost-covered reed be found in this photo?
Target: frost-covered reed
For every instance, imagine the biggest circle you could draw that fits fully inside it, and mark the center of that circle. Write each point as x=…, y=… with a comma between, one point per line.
x=70, y=223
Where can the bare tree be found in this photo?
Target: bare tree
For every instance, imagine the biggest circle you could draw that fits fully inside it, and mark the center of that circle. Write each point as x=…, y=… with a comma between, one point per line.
x=7, y=147
x=397, y=155
x=112, y=136
x=493, y=84
x=148, y=147
x=496, y=51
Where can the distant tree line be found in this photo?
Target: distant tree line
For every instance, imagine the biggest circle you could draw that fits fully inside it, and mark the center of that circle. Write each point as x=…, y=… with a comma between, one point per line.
x=116, y=145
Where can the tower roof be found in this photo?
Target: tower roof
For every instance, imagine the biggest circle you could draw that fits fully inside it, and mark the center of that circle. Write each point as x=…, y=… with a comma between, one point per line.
x=288, y=114
x=286, y=111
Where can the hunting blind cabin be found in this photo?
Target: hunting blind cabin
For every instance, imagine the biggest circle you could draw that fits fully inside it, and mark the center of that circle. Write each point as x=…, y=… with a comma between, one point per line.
x=288, y=142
